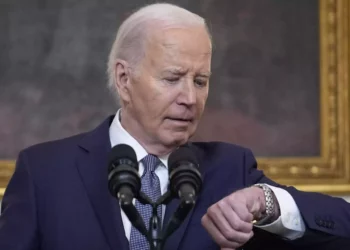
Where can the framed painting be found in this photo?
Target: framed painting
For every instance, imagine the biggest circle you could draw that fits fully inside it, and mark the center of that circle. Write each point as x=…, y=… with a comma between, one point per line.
x=280, y=83
x=328, y=171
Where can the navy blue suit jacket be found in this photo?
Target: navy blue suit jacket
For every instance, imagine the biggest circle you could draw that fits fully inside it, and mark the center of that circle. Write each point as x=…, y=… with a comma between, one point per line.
x=58, y=199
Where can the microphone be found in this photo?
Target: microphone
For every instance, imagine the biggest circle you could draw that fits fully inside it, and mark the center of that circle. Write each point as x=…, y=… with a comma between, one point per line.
x=185, y=183
x=124, y=182
x=185, y=178
x=123, y=177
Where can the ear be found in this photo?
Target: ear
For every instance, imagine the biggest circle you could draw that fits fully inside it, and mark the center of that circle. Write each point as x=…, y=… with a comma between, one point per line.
x=122, y=80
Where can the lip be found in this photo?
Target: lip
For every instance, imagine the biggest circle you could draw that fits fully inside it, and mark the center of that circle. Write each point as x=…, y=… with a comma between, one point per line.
x=179, y=120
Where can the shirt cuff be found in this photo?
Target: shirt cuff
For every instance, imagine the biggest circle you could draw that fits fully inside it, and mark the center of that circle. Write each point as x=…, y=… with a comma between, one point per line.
x=290, y=224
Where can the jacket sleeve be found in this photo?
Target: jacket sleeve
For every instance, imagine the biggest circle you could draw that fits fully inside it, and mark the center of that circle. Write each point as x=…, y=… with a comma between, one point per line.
x=18, y=219
x=327, y=219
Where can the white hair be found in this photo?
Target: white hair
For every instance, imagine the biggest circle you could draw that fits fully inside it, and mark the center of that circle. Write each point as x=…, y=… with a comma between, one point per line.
x=130, y=40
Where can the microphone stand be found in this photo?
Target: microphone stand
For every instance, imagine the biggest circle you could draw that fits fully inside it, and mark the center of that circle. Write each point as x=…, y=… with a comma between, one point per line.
x=154, y=235
x=155, y=227
x=155, y=223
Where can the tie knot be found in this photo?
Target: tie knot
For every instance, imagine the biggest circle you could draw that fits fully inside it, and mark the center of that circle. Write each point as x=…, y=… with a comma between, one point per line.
x=150, y=163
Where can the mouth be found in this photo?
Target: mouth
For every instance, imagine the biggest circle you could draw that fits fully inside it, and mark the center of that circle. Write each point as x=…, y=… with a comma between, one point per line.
x=180, y=120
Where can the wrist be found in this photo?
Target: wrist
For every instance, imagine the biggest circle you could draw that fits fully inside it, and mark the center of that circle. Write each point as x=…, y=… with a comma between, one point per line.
x=277, y=212
x=260, y=197
x=269, y=211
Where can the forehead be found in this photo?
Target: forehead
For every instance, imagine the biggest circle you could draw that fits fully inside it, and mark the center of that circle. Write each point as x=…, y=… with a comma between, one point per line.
x=188, y=47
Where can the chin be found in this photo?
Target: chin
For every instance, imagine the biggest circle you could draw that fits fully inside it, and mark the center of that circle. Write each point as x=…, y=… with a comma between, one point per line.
x=176, y=139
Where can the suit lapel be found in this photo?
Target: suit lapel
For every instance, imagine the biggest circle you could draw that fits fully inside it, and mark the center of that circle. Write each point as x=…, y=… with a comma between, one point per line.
x=173, y=242
x=92, y=166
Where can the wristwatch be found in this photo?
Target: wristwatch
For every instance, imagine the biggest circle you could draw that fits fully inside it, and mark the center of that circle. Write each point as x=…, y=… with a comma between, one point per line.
x=269, y=205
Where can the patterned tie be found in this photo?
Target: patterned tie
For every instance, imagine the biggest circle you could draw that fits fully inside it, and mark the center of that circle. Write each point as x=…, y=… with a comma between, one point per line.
x=151, y=187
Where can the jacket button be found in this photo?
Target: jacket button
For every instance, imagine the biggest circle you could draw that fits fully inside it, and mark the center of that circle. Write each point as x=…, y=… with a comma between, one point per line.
x=318, y=221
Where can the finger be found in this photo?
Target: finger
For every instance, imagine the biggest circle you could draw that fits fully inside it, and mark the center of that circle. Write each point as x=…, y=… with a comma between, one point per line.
x=241, y=210
x=217, y=217
x=230, y=234
x=234, y=220
x=237, y=224
x=217, y=236
x=240, y=237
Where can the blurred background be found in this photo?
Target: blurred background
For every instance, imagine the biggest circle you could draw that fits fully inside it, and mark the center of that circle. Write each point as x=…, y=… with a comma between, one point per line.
x=264, y=92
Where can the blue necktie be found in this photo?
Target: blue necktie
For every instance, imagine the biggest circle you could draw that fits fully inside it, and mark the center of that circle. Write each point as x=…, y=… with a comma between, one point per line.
x=151, y=187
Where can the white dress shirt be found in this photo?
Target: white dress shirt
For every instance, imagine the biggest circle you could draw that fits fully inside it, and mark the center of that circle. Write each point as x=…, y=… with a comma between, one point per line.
x=289, y=225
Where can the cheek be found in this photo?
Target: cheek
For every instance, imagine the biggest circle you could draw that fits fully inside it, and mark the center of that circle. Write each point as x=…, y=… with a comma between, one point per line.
x=155, y=110
x=201, y=101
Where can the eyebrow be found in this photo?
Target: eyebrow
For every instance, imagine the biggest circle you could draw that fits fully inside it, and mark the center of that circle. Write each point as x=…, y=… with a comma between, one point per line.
x=176, y=71
x=181, y=72
x=205, y=74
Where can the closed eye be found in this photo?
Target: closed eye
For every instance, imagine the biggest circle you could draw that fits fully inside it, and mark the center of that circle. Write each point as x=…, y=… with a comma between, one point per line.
x=172, y=80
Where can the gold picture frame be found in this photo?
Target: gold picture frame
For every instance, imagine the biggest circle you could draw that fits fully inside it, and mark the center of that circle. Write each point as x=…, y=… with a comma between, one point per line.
x=330, y=172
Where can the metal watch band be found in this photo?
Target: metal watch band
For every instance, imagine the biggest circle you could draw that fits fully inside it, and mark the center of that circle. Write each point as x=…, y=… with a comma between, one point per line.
x=269, y=205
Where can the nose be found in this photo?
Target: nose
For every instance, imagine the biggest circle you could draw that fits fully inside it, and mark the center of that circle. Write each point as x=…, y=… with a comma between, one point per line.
x=188, y=95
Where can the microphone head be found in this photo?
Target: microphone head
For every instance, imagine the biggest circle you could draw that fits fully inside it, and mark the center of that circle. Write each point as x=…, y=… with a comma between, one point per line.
x=121, y=152
x=183, y=171
x=123, y=171
x=181, y=155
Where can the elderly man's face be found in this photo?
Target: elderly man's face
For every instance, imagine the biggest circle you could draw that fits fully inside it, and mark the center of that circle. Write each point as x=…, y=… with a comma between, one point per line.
x=168, y=95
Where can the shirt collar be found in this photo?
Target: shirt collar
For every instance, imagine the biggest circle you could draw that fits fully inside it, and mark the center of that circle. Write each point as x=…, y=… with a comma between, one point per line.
x=118, y=135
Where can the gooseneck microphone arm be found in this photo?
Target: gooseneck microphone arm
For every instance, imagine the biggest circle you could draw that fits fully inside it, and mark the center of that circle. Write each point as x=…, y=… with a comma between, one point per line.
x=178, y=217
x=131, y=212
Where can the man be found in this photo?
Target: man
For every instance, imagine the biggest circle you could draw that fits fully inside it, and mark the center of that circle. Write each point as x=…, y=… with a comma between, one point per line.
x=159, y=68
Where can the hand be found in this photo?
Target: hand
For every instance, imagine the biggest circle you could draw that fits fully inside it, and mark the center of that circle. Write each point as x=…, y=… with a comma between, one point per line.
x=230, y=221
